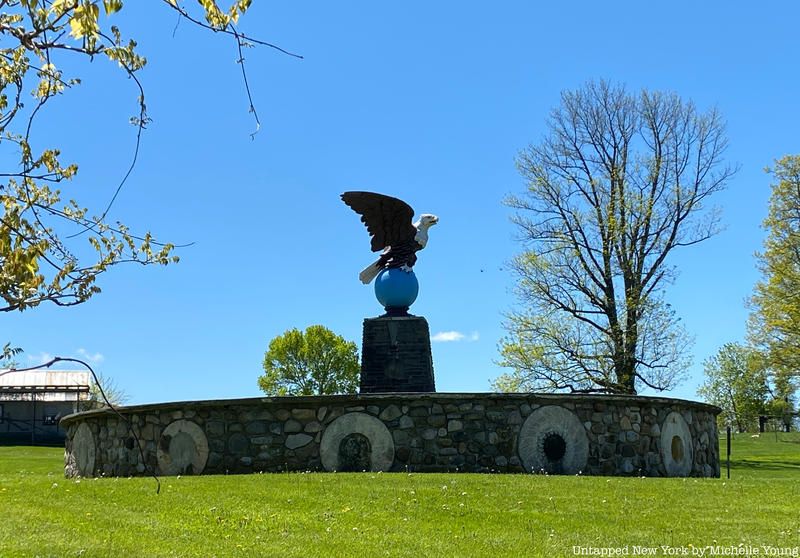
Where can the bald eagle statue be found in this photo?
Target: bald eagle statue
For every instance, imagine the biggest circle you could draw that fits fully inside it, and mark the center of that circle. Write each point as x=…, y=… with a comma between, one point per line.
x=389, y=222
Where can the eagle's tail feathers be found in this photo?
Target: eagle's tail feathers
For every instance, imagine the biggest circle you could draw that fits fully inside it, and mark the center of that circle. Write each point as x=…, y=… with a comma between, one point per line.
x=370, y=272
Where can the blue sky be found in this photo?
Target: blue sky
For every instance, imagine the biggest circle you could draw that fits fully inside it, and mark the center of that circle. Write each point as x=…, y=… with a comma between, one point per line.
x=426, y=101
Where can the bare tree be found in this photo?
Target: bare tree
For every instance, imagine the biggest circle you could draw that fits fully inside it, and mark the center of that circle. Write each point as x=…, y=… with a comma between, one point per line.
x=111, y=393
x=619, y=181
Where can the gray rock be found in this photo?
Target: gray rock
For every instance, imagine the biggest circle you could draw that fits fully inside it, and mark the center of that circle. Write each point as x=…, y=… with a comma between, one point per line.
x=655, y=430
x=269, y=454
x=238, y=444
x=390, y=413
x=628, y=451
x=215, y=428
x=304, y=414
x=313, y=427
x=455, y=425
x=496, y=416
x=406, y=422
x=400, y=437
x=148, y=432
x=256, y=427
x=292, y=426
x=294, y=441
x=263, y=415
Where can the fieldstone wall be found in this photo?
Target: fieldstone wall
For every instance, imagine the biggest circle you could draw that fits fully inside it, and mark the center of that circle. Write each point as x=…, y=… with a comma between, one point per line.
x=508, y=433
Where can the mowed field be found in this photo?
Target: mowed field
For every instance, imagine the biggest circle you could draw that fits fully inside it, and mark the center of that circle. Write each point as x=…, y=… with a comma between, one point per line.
x=420, y=515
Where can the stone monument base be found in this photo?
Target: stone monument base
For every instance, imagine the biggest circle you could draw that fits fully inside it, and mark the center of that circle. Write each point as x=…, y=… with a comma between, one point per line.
x=396, y=355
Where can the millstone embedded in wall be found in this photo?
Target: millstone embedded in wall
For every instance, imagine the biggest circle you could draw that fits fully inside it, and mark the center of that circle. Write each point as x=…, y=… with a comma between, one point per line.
x=553, y=440
x=357, y=441
x=83, y=450
x=182, y=449
x=676, y=446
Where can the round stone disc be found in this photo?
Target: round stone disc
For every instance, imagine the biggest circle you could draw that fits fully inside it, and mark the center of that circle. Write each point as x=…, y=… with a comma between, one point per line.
x=380, y=446
x=677, y=452
x=553, y=440
x=182, y=449
x=84, y=450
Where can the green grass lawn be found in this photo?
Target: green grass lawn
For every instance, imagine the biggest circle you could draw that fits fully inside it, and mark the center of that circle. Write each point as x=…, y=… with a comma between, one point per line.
x=420, y=515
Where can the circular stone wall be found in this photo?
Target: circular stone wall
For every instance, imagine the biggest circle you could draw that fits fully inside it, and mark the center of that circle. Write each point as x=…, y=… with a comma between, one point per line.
x=534, y=433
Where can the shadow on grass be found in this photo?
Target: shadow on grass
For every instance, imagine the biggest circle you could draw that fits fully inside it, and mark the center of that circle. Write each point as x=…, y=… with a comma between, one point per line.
x=753, y=465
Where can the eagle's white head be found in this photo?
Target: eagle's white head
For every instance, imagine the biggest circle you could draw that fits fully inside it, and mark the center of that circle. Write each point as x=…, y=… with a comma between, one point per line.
x=426, y=220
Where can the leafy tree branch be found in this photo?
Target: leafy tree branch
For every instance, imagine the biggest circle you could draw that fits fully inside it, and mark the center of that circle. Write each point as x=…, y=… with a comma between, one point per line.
x=39, y=226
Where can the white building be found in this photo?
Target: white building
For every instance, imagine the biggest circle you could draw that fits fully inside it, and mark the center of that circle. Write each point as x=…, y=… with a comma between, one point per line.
x=32, y=403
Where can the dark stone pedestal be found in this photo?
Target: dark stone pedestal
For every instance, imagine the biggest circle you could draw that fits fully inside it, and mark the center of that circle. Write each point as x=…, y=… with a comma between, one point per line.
x=396, y=355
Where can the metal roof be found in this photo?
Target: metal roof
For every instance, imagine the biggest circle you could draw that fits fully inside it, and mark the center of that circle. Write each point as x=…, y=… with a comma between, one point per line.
x=47, y=385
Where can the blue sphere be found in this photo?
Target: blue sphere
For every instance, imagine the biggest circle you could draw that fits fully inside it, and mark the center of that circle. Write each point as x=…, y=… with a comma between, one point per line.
x=396, y=288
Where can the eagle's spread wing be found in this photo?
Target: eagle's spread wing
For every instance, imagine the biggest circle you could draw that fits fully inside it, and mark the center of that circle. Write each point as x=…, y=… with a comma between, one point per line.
x=388, y=219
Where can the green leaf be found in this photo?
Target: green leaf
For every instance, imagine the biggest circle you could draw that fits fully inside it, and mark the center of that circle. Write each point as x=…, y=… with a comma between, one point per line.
x=112, y=6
